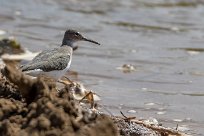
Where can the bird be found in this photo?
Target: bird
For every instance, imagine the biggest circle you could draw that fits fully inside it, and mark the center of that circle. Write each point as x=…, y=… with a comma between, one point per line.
x=56, y=61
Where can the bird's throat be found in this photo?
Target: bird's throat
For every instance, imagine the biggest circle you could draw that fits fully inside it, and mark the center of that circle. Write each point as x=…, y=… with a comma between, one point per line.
x=67, y=43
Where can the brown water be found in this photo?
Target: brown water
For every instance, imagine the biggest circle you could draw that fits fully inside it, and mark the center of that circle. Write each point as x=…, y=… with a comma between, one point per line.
x=164, y=40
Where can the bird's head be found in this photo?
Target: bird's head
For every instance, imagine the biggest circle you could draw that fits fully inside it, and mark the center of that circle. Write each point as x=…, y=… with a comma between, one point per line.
x=71, y=36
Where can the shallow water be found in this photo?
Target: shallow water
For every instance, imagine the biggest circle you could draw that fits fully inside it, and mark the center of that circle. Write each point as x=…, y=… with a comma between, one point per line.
x=163, y=40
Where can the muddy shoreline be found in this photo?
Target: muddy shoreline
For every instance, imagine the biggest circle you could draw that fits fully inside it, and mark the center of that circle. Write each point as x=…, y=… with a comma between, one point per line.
x=35, y=107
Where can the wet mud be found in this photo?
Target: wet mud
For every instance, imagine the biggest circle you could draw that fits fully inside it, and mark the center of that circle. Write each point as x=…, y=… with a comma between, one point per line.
x=34, y=107
x=31, y=107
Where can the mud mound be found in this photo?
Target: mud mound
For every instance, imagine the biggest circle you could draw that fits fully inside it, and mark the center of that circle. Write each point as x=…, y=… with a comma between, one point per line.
x=31, y=107
x=9, y=90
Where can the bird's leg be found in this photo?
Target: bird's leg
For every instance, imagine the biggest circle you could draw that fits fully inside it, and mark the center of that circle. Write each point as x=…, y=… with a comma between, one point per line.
x=61, y=81
x=68, y=79
x=64, y=82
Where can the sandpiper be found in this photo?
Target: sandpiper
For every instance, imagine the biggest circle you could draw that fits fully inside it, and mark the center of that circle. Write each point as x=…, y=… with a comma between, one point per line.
x=55, y=62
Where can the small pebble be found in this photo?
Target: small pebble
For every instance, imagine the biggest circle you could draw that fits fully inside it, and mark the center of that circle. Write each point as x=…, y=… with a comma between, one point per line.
x=144, y=89
x=161, y=112
x=150, y=104
x=177, y=120
x=43, y=122
x=18, y=13
x=147, y=108
x=175, y=29
x=161, y=109
x=2, y=32
x=119, y=107
x=151, y=121
x=193, y=53
x=127, y=68
x=131, y=111
x=133, y=51
x=188, y=119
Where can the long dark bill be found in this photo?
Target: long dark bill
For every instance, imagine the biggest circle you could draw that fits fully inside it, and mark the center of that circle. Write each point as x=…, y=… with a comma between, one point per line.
x=89, y=40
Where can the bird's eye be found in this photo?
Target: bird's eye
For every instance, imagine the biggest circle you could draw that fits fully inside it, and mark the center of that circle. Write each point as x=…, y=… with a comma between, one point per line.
x=77, y=34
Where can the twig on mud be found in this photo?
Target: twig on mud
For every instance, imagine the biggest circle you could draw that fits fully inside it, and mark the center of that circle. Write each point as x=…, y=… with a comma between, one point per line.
x=159, y=129
x=127, y=118
x=176, y=126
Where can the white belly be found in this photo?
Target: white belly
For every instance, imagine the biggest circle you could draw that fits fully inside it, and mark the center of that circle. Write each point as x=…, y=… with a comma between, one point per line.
x=55, y=74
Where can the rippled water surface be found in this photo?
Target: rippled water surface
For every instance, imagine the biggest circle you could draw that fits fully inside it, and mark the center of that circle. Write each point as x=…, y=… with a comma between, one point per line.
x=163, y=40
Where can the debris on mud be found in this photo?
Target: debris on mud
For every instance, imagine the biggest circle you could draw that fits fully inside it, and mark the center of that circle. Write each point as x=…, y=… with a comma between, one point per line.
x=34, y=107
x=10, y=46
x=127, y=68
